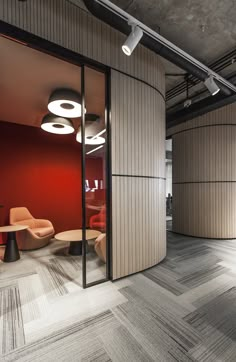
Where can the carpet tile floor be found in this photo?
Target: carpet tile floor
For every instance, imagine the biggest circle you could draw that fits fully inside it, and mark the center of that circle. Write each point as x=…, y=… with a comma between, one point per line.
x=183, y=309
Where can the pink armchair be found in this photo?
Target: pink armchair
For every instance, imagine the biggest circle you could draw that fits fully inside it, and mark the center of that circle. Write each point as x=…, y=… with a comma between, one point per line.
x=38, y=234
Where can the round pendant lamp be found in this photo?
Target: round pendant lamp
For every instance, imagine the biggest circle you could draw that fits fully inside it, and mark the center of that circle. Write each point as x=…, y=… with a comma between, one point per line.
x=57, y=125
x=90, y=140
x=65, y=103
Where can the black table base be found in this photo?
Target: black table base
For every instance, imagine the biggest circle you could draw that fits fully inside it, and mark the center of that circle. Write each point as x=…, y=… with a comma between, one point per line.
x=75, y=248
x=11, y=251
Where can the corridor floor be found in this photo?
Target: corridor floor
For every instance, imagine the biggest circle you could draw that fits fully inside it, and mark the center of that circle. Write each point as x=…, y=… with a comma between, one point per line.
x=181, y=310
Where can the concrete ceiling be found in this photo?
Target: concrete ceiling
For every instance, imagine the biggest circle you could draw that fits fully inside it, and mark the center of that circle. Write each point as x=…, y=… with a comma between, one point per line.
x=206, y=29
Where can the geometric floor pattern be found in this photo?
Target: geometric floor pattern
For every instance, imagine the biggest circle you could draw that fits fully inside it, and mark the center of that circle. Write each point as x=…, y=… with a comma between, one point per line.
x=183, y=309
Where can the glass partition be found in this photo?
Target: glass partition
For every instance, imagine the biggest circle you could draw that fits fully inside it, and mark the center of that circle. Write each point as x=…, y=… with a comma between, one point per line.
x=95, y=176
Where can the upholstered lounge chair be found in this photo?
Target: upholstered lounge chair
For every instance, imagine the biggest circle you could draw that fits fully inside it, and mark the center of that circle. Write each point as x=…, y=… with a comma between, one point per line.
x=100, y=247
x=38, y=234
x=98, y=221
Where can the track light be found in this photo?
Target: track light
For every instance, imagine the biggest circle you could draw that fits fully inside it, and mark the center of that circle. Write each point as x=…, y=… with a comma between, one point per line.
x=132, y=40
x=65, y=103
x=58, y=125
x=211, y=85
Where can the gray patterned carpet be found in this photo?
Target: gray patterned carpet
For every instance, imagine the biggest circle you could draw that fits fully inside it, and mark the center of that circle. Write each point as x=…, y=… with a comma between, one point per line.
x=181, y=310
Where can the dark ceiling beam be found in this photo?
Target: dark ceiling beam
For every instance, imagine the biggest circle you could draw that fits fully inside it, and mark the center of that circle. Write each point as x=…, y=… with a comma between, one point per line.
x=217, y=65
x=196, y=97
x=206, y=105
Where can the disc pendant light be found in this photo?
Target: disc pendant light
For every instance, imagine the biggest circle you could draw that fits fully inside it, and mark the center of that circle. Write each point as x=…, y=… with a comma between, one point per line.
x=65, y=103
x=57, y=125
x=91, y=120
x=90, y=140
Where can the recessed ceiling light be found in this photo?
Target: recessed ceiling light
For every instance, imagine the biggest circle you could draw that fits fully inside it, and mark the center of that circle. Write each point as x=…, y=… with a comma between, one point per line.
x=57, y=125
x=65, y=103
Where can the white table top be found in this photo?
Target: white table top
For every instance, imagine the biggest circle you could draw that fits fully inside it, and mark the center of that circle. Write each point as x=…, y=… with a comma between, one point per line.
x=76, y=235
x=11, y=228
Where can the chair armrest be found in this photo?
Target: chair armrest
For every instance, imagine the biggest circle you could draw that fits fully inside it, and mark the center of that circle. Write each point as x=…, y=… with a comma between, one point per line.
x=40, y=223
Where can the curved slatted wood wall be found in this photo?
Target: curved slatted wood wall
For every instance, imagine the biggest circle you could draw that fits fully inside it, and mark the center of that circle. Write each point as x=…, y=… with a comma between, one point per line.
x=138, y=181
x=204, y=175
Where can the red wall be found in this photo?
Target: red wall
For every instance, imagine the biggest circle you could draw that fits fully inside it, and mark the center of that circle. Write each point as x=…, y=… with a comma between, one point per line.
x=42, y=172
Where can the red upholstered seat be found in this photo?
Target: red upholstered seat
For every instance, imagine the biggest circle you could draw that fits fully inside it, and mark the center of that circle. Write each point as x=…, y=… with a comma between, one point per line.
x=98, y=222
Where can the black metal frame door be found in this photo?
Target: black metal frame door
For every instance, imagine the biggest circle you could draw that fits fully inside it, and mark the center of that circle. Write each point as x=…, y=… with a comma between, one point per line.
x=83, y=180
x=107, y=175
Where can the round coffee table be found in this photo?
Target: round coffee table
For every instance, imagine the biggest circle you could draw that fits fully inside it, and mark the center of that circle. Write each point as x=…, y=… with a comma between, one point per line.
x=75, y=237
x=11, y=250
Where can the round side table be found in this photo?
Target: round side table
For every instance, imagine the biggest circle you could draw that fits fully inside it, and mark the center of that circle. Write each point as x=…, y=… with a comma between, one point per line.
x=11, y=251
x=75, y=238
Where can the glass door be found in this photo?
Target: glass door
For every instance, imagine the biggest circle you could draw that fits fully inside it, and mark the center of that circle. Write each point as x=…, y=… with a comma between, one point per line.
x=94, y=138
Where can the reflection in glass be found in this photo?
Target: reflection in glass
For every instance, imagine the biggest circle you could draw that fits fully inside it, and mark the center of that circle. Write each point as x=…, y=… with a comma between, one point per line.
x=95, y=173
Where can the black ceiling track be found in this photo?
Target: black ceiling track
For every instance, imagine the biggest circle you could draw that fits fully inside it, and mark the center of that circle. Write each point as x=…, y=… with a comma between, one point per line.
x=208, y=104
x=218, y=65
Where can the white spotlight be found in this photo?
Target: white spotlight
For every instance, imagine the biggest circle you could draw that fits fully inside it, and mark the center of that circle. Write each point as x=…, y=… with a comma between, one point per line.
x=211, y=85
x=132, y=40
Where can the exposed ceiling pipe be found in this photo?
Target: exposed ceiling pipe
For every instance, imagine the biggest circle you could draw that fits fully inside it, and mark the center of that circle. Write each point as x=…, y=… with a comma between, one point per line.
x=197, y=97
x=218, y=65
x=197, y=109
x=119, y=19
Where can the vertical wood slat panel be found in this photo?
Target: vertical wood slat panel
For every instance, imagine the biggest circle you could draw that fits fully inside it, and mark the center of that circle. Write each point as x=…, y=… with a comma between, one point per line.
x=74, y=28
x=224, y=115
x=139, y=239
x=138, y=149
x=204, y=175
x=205, y=210
x=133, y=121
x=205, y=154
